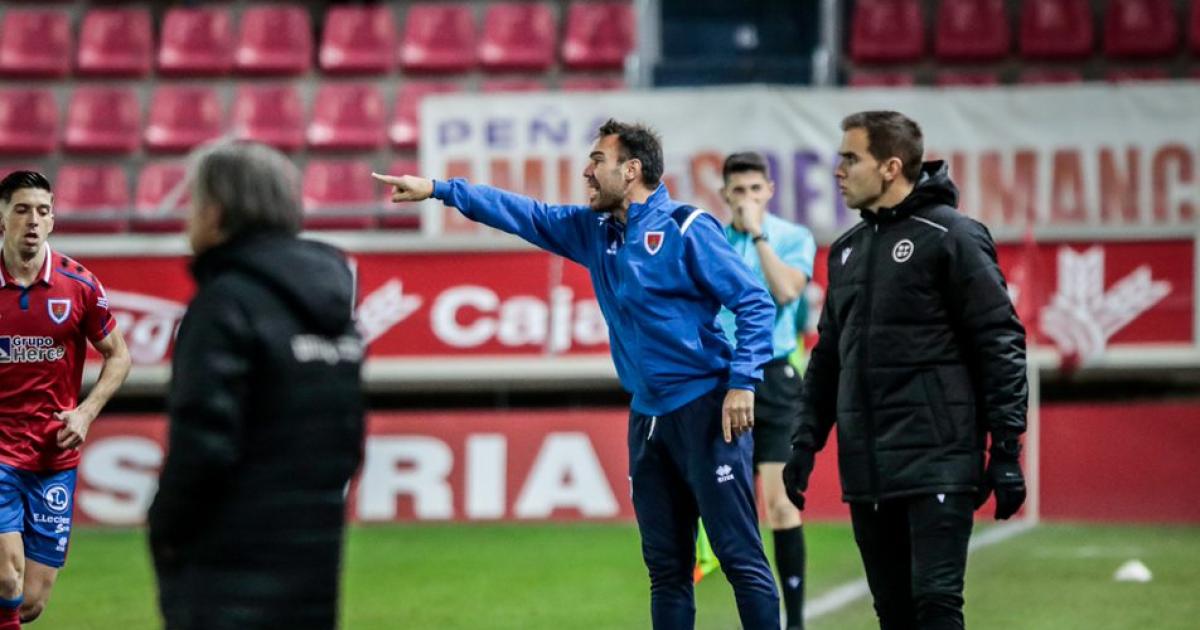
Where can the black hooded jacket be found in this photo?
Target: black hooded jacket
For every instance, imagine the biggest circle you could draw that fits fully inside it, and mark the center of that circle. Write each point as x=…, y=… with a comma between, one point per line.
x=266, y=429
x=920, y=353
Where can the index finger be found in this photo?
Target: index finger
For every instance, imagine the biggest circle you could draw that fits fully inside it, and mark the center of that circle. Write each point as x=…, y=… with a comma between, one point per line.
x=725, y=424
x=387, y=179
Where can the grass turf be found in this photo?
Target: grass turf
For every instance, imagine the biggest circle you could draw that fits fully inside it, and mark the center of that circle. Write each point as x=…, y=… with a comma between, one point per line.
x=591, y=576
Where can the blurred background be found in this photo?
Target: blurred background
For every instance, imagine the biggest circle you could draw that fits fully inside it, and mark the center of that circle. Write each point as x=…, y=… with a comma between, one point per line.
x=494, y=493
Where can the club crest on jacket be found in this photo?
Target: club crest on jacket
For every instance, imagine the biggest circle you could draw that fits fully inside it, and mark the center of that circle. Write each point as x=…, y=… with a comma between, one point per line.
x=653, y=241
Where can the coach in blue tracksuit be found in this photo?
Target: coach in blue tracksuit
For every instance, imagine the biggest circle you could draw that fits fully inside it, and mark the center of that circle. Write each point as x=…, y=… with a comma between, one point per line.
x=661, y=272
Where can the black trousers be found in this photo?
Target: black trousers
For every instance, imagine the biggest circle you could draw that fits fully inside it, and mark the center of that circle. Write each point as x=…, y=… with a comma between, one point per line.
x=914, y=551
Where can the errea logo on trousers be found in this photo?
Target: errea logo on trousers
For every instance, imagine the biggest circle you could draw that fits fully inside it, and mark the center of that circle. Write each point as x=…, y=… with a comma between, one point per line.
x=724, y=473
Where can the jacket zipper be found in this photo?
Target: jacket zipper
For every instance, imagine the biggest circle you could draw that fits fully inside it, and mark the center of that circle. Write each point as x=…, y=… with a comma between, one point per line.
x=865, y=357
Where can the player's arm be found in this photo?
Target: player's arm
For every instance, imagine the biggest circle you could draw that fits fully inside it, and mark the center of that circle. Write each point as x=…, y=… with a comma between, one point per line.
x=114, y=369
x=719, y=271
x=562, y=230
x=786, y=279
x=210, y=381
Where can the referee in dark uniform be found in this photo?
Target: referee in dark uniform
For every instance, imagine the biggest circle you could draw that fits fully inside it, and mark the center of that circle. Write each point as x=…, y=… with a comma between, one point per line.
x=921, y=364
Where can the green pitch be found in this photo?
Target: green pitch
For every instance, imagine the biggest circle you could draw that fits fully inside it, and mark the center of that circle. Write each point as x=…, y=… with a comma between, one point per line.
x=591, y=576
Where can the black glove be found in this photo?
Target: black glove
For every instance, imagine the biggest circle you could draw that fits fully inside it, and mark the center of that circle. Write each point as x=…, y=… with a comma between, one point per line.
x=795, y=475
x=1003, y=476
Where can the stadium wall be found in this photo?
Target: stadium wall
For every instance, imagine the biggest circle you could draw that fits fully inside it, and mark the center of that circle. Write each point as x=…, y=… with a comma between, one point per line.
x=1110, y=463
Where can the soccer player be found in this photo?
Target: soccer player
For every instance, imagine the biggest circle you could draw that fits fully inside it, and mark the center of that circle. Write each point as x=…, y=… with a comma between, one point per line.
x=661, y=271
x=50, y=307
x=920, y=357
x=781, y=254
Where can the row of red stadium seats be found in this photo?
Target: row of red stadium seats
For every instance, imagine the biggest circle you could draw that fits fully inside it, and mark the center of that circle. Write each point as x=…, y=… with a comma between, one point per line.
x=351, y=116
x=1029, y=76
x=886, y=31
x=278, y=40
x=339, y=194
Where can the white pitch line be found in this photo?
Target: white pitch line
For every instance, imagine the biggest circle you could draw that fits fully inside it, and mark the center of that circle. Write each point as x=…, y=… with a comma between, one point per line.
x=847, y=593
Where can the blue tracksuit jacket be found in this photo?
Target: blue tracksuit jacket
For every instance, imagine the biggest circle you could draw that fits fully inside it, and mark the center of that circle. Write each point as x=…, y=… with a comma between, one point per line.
x=660, y=280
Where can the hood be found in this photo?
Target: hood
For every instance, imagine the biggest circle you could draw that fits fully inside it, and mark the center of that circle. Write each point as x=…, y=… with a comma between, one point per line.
x=313, y=278
x=934, y=188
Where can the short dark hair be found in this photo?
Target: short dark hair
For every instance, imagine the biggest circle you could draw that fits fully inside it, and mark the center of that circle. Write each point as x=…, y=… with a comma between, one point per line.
x=745, y=162
x=891, y=135
x=641, y=142
x=17, y=180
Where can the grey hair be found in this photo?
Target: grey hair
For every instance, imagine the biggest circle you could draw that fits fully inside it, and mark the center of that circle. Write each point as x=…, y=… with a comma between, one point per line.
x=256, y=188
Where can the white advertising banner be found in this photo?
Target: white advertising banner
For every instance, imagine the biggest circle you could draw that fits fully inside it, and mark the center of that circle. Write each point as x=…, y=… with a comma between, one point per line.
x=1091, y=160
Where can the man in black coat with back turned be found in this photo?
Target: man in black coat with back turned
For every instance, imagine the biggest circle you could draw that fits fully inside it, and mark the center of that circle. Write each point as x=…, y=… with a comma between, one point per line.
x=265, y=409
x=921, y=357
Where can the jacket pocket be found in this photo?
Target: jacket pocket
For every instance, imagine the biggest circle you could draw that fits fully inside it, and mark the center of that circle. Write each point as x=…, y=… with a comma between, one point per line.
x=942, y=423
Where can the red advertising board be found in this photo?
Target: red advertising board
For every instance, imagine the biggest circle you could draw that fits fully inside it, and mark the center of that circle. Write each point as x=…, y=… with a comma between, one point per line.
x=528, y=303
x=569, y=465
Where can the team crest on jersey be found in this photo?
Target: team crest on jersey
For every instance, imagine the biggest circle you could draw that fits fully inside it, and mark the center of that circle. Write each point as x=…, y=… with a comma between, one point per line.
x=653, y=241
x=59, y=310
x=902, y=251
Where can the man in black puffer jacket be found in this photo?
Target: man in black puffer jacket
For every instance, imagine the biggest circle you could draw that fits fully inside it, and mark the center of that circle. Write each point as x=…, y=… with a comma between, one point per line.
x=921, y=357
x=266, y=411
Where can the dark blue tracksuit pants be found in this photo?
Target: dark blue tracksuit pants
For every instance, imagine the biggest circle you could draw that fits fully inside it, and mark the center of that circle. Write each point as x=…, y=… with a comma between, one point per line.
x=681, y=468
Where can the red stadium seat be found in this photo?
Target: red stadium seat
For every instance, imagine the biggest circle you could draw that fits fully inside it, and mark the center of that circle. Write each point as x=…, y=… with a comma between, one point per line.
x=1056, y=29
x=972, y=30
x=347, y=116
x=1043, y=76
x=882, y=79
x=1141, y=28
x=358, y=40
x=518, y=36
x=1194, y=29
x=151, y=210
x=115, y=42
x=103, y=120
x=28, y=122
x=599, y=35
x=950, y=78
x=196, y=42
x=405, y=129
x=496, y=86
x=35, y=43
x=91, y=198
x=887, y=31
x=592, y=84
x=182, y=117
x=339, y=195
x=271, y=114
x=1134, y=75
x=438, y=38
x=274, y=39
x=399, y=216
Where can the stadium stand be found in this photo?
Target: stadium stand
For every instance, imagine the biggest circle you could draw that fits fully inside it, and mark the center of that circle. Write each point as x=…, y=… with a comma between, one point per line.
x=598, y=35
x=887, y=31
x=972, y=30
x=339, y=194
x=358, y=40
x=438, y=38
x=1141, y=29
x=35, y=43
x=405, y=127
x=274, y=39
x=347, y=116
x=115, y=42
x=91, y=198
x=196, y=41
x=1056, y=29
x=518, y=36
x=103, y=120
x=272, y=114
x=28, y=122
x=183, y=117
x=155, y=183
